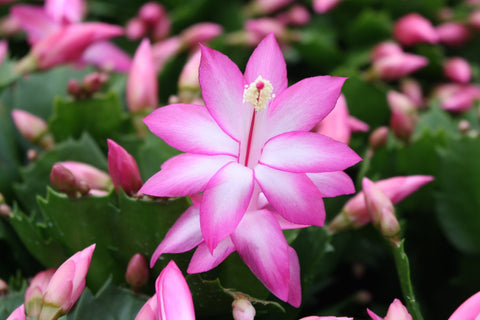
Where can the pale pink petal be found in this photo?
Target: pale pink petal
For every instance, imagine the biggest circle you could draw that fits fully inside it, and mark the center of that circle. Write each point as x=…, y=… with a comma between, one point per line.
x=18, y=313
x=470, y=309
x=262, y=246
x=222, y=86
x=66, y=11
x=357, y=125
x=335, y=125
x=293, y=195
x=373, y=315
x=307, y=152
x=190, y=128
x=267, y=61
x=149, y=310
x=183, y=236
x=285, y=224
x=332, y=184
x=398, y=188
x=294, y=284
x=303, y=105
x=106, y=55
x=397, y=311
x=225, y=201
x=184, y=175
x=173, y=295
x=34, y=21
x=203, y=260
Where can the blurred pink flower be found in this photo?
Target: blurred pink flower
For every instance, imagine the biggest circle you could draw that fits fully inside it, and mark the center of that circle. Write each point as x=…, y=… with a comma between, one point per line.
x=456, y=97
x=468, y=310
x=453, y=34
x=107, y=56
x=323, y=6
x=66, y=11
x=395, y=66
x=458, y=70
x=413, y=28
x=200, y=33
x=404, y=115
x=396, y=311
x=18, y=314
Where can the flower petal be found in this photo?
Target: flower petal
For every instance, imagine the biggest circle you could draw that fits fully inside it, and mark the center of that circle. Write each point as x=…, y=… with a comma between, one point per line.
x=184, y=175
x=173, y=295
x=332, y=184
x=267, y=61
x=373, y=315
x=307, y=152
x=183, y=236
x=293, y=195
x=222, y=86
x=225, y=200
x=203, y=260
x=468, y=309
x=190, y=128
x=303, y=105
x=294, y=284
x=262, y=246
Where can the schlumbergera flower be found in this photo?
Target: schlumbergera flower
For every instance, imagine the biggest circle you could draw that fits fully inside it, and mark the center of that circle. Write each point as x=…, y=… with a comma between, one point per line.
x=251, y=154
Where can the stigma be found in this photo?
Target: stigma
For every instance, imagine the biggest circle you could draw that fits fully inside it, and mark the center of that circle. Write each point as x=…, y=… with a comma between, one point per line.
x=258, y=93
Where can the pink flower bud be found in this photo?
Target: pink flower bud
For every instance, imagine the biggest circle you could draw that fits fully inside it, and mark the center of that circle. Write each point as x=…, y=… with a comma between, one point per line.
x=33, y=128
x=35, y=291
x=404, y=115
x=385, y=49
x=107, y=56
x=395, y=66
x=18, y=314
x=149, y=310
x=137, y=271
x=474, y=19
x=89, y=175
x=66, y=285
x=93, y=82
x=470, y=309
x=381, y=211
x=323, y=6
x=123, y=169
x=174, y=299
x=161, y=29
x=135, y=29
x=66, y=45
x=412, y=89
x=35, y=21
x=458, y=70
x=354, y=213
x=64, y=181
x=66, y=11
x=453, y=34
x=188, y=79
x=3, y=287
x=3, y=50
x=142, y=83
x=457, y=97
x=243, y=309
x=396, y=311
x=164, y=50
x=200, y=33
x=413, y=28
x=261, y=27
x=378, y=138
x=297, y=15
x=151, y=13
x=335, y=125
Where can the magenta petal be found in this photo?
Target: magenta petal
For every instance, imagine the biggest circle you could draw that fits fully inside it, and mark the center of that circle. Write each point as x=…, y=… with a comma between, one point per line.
x=35, y=21
x=225, y=200
x=295, y=289
x=190, y=128
x=470, y=309
x=373, y=315
x=222, y=86
x=203, y=260
x=267, y=61
x=262, y=246
x=293, y=195
x=303, y=105
x=332, y=184
x=398, y=188
x=184, y=175
x=173, y=295
x=307, y=152
x=183, y=236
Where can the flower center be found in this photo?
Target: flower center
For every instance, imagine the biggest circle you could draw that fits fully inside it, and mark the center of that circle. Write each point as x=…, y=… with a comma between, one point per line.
x=258, y=93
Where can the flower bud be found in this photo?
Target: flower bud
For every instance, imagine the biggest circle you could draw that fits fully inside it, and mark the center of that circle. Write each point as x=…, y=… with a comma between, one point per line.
x=161, y=28
x=395, y=66
x=3, y=288
x=18, y=314
x=378, y=138
x=396, y=311
x=457, y=97
x=137, y=271
x=323, y=6
x=243, y=309
x=458, y=70
x=413, y=28
x=474, y=19
x=135, y=29
x=3, y=50
x=151, y=12
x=200, y=33
x=385, y=49
x=164, y=50
x=66, y=285
x=142, y=83
x=35, y=291
x=453, y=34
x=404, y=115
x=107, y=57
x=33, y=128
x=412, y=89
x=89, y=175
x=123, y=169
x=259, y=28
x=297, y=15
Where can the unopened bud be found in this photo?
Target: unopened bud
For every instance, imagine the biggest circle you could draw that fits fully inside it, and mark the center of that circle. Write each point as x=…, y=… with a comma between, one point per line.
x=151, y=12
x=412, y=89
x=5, y=210
x=3, y=288
x=123, y=169
x=33, y=128
x=135, y=29
x=200, y=33
x=297, y=15
x=63, y=180
x=35, y=291
x=413, y=28
x=404, y=115
x=458, y=70
x=93, y=177
x=474, y=19
x=453, y=34
x=137, y=271
x=464, y=126
x=378, y=138
x=73, y=88
x=243, y=309
x=94, y=81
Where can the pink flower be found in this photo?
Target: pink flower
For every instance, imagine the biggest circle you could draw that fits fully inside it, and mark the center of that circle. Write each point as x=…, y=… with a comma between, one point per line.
x=456, y=97
x=18, y=314
x=66, y=11
x=323, y=6
x=354, y=212
x=413, y=28
x=453, y=34
x=66, y=285
x=468, y=310
x=395, y=66
x=385, y=49
x=412, y=89
x=107, y=56
x=123, y=169
x=200, y=33
x=458, y=70
x=35, y=291
x=164, y=50
x=396, y=311
x=35, y=21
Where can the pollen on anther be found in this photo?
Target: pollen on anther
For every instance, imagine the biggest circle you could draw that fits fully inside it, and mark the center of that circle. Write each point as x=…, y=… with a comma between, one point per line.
x=258, y=93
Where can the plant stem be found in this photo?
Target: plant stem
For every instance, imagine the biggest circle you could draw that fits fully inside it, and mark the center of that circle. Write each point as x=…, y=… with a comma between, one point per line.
x=403, y=269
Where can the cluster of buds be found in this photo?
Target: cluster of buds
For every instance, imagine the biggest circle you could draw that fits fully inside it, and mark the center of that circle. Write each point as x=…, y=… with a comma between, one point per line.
x=90, y=84
x=152, y=21
x=79, y=179
x=33, y=128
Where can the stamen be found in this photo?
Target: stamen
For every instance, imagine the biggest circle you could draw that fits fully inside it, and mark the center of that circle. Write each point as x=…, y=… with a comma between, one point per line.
x=258, y=93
